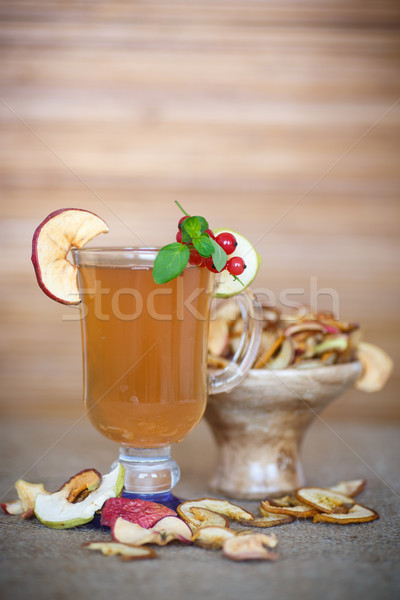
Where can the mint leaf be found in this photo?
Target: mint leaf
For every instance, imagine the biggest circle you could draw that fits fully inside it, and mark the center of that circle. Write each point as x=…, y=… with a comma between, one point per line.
x=203, y=245
x=203, y=224
x=170, y=262
x=192, y=226
x=219, y=256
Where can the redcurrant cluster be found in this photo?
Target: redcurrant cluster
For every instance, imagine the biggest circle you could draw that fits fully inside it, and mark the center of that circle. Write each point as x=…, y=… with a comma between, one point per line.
x=234, y=265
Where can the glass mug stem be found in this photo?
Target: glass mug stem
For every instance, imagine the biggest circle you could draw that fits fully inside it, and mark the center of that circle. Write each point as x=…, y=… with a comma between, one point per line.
x=145, y=358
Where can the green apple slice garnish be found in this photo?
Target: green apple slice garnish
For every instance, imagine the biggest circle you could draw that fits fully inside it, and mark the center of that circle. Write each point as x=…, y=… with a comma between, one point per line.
x=226, y=284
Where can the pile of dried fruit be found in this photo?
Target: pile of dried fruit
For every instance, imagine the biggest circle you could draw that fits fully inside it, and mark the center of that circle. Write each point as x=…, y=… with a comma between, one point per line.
x=314, y=340
x=209, y=523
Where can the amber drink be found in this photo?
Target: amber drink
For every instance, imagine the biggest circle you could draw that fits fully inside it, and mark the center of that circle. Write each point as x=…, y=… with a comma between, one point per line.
x=144, y=353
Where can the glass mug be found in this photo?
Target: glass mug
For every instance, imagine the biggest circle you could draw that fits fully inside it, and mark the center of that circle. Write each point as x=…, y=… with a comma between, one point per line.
x=145, y=358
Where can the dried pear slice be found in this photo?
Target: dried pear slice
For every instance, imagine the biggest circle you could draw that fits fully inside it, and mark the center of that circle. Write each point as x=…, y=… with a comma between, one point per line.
x=324, y=499
x=287, y=505
x=212, y=538
x=251, y=546
x=349, y=488
x=222, y=507
x=269, y=519
x=126, y=552
x=377, y=367
x=357, y=514
x=207, y=518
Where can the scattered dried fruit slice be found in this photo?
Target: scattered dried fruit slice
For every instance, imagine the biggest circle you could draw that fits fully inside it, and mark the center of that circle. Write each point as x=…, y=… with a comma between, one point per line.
x=56, y=512
x=173, y=528
x=126, y=552
x=212, y=537
x=87, y=480
x=133, y=534
x=13, y=508
x=269, y=519
x=356, y=514
x=207, y=518
x=223, y=507
x=287, y=505
x=27, y=493
x=52, y=240
x=251, y=546
x=377, y=367
x=163, y=532
x=349, y=488
x=135, y=510
x=324, y=499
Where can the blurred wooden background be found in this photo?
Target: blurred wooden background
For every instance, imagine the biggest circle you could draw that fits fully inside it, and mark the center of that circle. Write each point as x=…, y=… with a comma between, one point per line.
x=280, y=119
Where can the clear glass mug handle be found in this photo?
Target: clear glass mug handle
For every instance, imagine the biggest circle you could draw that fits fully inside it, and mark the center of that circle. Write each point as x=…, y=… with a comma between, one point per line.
x=244, y=357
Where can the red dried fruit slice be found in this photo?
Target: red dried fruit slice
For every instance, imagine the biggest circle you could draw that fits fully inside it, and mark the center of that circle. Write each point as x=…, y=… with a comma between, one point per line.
x=135, y=510
x=357, y=514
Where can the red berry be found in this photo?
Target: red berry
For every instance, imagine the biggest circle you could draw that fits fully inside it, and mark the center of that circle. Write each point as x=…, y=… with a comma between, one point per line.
x=236, y=265
x=210, y=233
x=196, y=259
x=181, y=221
x=227, y=241
x=210, y=265
x=179, y=236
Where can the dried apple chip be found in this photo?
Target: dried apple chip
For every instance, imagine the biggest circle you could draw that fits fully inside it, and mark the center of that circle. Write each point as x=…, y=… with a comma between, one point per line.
x=222, y=507
x=287, y=505
x=211, y=537
x=356, y=514
x=25, y=504
x=251, y=546
x=269, y=519
x=87, y=480
x=324, y=499
x=126, y=552
x=377, y=367
x=349, y=488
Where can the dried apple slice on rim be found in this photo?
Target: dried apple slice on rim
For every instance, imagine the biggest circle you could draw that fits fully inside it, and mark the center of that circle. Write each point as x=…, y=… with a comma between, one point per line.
x=287, y=505
x=212, y=537
x=222, y=507
x=324, y=499
x=356, y=514
x=250, y=546
x=62, y=230
x=349, y=488
x=115, y=548
x=197, y=517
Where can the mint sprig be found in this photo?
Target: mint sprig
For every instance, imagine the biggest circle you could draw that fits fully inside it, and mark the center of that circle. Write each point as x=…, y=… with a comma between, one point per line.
x=173, y=258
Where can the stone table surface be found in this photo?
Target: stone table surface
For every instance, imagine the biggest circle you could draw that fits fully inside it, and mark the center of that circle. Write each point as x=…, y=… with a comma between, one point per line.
x=316, y=560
